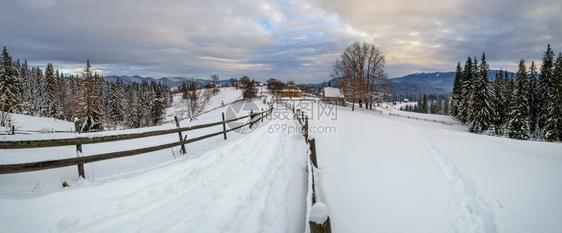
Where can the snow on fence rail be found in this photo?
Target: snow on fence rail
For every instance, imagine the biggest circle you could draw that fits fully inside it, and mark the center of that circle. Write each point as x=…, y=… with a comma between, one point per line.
x=422, y=119
x=79, y=161
x=13, y=130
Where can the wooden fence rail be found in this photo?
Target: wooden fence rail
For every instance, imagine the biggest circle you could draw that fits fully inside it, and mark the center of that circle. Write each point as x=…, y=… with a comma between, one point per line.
x=50, y=164
x=422, y=119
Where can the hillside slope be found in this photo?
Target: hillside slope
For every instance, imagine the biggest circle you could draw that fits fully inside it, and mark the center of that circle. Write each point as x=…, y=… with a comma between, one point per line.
x=389, y=174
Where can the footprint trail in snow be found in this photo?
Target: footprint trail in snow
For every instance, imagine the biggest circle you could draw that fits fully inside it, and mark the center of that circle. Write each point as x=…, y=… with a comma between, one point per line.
x=477, y=215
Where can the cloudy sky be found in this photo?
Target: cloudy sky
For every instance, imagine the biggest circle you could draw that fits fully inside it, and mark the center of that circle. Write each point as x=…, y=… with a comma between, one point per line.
x=289, y=40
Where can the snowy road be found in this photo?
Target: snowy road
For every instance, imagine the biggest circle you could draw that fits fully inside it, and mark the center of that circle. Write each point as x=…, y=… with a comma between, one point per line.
x=254, y=183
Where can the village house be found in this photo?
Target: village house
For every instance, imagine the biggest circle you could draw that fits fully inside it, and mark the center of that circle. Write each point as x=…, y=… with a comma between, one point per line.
x=291, y=91
x=333, y=96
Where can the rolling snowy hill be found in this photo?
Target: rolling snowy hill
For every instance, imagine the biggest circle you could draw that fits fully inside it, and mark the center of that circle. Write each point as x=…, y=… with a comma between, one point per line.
x=376, y=173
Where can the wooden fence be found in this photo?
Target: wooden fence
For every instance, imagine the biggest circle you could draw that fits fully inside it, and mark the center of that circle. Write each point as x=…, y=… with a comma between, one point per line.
x=302, y=119
x=423, y=119
x=78, y=142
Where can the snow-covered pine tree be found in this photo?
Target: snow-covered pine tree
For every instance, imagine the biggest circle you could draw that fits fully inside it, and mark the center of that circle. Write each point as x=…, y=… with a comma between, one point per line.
x=446, y=107
x=500, y=114
x=483, y=106
x=545, y=86
x=88, y=106
x=419, y=105
x=130, y=117
x=457, y=92
x=467, y=87
x=424, y=106
x=158, y=106
x=9, y=96
x=438, y=107
x=48, y=107
x=519, y=124
x=534, y=107
x=115, y=108
x=553, y=125
x=23, y=79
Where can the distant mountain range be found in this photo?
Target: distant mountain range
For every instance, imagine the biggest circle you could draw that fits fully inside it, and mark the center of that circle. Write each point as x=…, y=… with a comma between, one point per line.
x=409, y=86
x=413, y=85
x=170, y=81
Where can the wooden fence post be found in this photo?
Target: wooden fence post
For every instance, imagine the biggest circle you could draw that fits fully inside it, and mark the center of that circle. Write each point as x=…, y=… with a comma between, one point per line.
x=80, y=166
x=251, y=118
x=182, y=150
x=223, y=126
x=13, y=130
x=313, y=159
x=306, y=129
x=262, y=115
x=319, y=219
x=81, y=172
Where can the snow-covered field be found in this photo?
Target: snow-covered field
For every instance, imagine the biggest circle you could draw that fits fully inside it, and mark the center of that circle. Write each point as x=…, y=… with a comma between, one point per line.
x=377, y=173
x=389, y=174
x=249, y=183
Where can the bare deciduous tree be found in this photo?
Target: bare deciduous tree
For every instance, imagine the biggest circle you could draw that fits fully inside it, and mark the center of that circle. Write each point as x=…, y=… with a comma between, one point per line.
x=361, y=68
x=275, y=87
x=215, y=78
x=196, y=98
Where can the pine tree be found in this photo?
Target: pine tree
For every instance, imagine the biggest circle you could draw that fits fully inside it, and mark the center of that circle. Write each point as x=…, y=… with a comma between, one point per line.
x=439, y=107
x=483, y=114
x=424, y=107
x=419, y=105
x=9, y=96
x=88, y=106
x=534, y=107
x=447, y=107
x=518, y=125
x=545, y=86
x=130, y=118
x=48, y=107
x=457, y=92
x=500, y=114
x=509, y=92
x=158, y=106
x=553, y=127
x=115, y=107
x=467, y=95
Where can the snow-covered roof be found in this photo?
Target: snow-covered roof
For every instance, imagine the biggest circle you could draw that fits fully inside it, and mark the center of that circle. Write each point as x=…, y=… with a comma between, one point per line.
x=291, y=88
x=331, y=92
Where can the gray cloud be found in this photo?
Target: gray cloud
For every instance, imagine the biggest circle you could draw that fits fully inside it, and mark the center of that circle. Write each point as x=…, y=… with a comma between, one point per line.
x=434, y=34
x=291, y=40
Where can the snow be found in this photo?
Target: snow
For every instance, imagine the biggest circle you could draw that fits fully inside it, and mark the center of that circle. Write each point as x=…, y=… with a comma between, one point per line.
x=377, y=173
x=388, y=109
x=25, y=123
x=319, y=213
x=390, y=174
x=251, y=183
